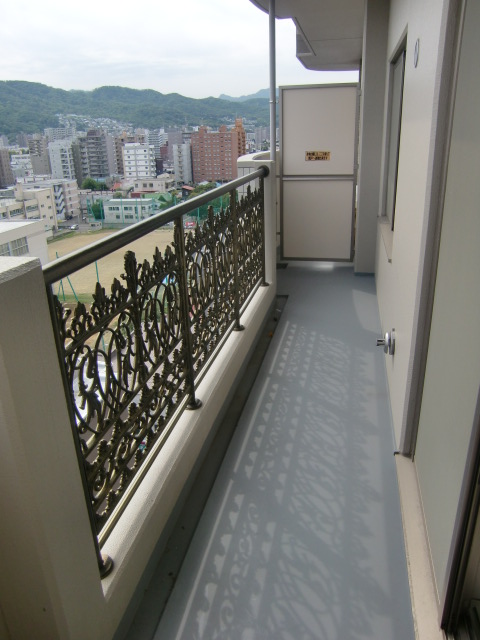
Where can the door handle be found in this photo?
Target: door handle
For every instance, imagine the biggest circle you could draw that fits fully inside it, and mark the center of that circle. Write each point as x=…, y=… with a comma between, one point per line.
x=387, y=342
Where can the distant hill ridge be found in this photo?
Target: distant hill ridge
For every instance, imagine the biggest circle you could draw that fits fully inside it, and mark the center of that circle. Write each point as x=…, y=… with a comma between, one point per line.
x=263, y=94
x=29, y=107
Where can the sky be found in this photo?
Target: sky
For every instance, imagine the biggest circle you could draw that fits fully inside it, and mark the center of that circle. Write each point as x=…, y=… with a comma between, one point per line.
x=197, y=48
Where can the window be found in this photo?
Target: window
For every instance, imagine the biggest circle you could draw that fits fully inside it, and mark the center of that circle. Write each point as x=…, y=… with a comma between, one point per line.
x=397, y=73
x=14, y=248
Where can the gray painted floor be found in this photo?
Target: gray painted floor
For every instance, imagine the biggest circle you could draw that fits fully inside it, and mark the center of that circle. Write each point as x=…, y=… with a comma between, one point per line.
x=301, y=537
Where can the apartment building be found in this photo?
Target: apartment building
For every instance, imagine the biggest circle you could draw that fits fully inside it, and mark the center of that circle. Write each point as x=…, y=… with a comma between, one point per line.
x=38, y=149
x=158, y=138
x=62, y=159
x=101, y=154
x=215, y=153
x=139, y=160
x=59, y=133
x=65, y=194
x=182, y=162
x=6, y=174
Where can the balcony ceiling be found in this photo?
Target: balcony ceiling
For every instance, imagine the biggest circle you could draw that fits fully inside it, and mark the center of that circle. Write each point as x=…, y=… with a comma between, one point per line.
x=329, y=32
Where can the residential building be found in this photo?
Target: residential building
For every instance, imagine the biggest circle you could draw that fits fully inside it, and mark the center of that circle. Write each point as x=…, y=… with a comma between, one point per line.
x=139, y=160
x=262, y=137
x=21, y=165
x=182, y=162
x=59, y=133
x=62, y=160
x=65, y=196
x=175, y=136
x=80, y=158
x=38, y=148
x=6, y=174
x=347, y=504
x=158, y=138
x=22, y=238
x=38, y=202
x=101, y=154
x=160, y=184
x=215, y=153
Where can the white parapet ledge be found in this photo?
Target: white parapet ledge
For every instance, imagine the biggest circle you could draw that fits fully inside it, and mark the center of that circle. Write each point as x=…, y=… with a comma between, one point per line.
x=136, y=534
x=420, y=573
x=12, y=267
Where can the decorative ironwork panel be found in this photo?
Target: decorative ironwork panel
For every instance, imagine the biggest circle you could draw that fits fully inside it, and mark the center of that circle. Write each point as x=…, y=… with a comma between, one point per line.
x=250, y=242
x=125, y=366
x=132, y=356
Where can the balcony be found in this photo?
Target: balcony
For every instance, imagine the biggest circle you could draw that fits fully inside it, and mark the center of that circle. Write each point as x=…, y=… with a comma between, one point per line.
x=302, y=529
x=301, y=535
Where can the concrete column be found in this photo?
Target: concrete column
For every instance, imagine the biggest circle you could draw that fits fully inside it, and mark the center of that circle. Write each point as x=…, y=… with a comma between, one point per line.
x=374, y=61
x=49, y=582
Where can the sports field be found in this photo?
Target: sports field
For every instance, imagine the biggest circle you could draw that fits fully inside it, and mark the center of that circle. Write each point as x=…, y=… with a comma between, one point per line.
x=81, y=284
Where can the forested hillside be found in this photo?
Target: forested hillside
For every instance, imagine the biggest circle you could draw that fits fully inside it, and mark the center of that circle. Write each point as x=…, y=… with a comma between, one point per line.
x=29, y=107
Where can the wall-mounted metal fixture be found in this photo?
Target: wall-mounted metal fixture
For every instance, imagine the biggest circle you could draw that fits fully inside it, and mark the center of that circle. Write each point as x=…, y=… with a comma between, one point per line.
x=387, y=342
x=416, y=53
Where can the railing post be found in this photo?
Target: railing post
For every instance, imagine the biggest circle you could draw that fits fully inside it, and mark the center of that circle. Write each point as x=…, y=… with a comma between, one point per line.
x=262, y=200
x=193, y=403
x=105, y=563
x=236, y=284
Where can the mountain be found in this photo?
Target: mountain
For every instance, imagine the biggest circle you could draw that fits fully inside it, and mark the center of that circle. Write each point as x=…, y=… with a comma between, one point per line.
x=263, y=94
x=29, y=107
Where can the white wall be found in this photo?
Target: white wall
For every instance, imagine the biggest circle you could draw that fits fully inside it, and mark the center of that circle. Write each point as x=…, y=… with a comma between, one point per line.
x=397, y=271
x=452, y=376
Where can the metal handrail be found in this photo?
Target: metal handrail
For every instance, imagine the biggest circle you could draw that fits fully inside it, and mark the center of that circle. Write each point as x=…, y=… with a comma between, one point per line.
x=156, y=334
x=62, y=267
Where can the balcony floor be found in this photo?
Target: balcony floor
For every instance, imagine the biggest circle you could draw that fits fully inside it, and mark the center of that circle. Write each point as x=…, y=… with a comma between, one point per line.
x=301, y=537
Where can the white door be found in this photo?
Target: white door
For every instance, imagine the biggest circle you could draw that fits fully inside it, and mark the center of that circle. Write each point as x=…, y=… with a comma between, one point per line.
x=318, y=134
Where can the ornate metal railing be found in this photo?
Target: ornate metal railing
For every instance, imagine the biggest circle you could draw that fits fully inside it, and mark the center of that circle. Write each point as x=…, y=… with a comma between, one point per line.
x=133, y=357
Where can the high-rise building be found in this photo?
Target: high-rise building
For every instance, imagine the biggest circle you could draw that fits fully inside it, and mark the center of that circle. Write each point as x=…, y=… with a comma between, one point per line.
x=61, y=159
x=215, y=153
x=38, y=148
x=139, y=160
x=158, y=138
x=175, y=136
x=6, y=173
x=182, y=162
x=101, y=154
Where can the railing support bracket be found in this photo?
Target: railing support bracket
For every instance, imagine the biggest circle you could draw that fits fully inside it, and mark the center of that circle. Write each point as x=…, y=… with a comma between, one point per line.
x=105, y=565
x=194, y=405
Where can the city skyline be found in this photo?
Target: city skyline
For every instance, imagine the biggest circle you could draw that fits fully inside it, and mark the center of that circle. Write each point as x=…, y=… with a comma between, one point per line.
x=171, y=49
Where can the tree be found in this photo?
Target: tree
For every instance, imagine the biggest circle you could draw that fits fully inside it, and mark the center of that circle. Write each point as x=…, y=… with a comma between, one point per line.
x=202, y=188
x=97, y=210
x=90, y=183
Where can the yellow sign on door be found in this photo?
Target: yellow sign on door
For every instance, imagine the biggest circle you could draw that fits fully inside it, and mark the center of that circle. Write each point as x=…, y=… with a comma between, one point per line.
x=317, y=155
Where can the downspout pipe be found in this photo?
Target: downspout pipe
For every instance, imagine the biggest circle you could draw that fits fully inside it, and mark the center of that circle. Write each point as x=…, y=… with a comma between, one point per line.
x=273, y=88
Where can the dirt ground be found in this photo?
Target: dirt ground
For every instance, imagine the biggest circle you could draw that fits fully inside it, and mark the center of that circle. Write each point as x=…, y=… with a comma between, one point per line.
x=82, y=283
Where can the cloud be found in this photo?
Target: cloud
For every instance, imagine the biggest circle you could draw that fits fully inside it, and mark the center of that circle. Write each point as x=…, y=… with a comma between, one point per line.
x=194, y=48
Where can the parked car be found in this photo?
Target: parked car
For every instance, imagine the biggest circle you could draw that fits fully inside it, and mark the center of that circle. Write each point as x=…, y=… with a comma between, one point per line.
x=74, y=227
